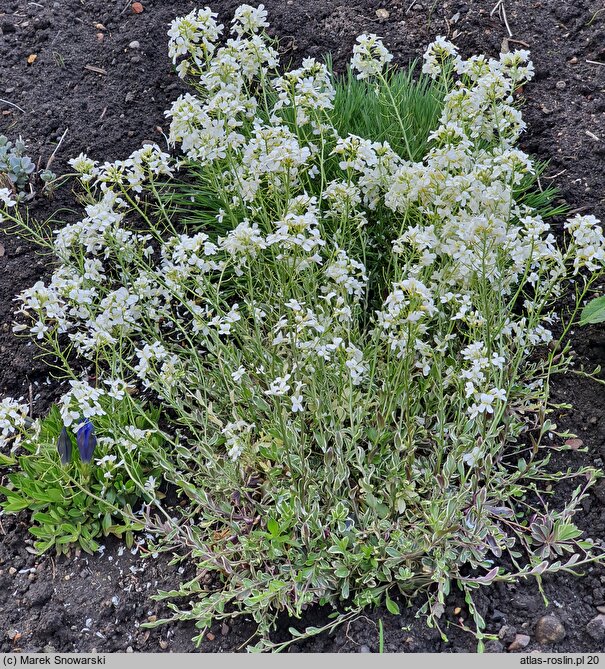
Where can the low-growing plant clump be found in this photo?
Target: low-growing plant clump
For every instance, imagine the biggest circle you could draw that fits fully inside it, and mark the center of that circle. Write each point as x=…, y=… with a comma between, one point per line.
x=17, y=171
x=342, y=299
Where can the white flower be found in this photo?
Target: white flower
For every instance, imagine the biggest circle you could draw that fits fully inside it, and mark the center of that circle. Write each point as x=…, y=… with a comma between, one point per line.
x=297, y=399
x=472, y=457
x=150, y=484
x=237, y=436
x=238, y=373
x=436, y=55
x=279, y=386
x=197, y=33
x=6, y=198
x=369, y=56
x=249, y=20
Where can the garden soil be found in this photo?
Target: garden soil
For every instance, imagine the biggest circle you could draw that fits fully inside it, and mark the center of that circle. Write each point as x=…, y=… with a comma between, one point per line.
x=97, y=74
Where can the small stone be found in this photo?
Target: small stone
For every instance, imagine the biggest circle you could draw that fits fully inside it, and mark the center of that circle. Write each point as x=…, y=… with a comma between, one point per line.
x=521, y=641
x=596, y=627
x=12, y=571
x=210, y=636
x=134, y=45
x=163, y=644
x=100, y=37
x=549, y=629
x=561, y=85
x=573, y=60
x=130, y=96
x=382, y=13
x=129, y=649
x=507, y=633
x=135, y=59
x=152, y=619
x=364, y=649
x=498, y=616
x=137, y=8
x=224, y=629
x=493, y=646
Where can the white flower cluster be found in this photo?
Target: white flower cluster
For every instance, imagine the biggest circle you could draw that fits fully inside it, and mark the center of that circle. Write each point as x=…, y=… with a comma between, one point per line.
x=13, y=421
x=272, y=314
x=369, y=56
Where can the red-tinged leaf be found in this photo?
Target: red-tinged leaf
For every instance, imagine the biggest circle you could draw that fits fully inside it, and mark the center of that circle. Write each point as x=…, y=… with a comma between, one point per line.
x=574, y=444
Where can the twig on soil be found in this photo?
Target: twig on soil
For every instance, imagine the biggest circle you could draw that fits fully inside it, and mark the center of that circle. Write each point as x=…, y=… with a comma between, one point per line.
x=499, y=6
x=128, y=4
x=12, y=104
x=31, y=400
x=94, y=68
x=103, y=113
x=594, y=62
x=52, y=155
x=578, y=210
x=554, y=176
x=521, y=42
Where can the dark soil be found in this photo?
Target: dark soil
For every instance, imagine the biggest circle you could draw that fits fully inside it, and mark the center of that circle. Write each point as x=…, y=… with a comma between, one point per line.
x=85, y=603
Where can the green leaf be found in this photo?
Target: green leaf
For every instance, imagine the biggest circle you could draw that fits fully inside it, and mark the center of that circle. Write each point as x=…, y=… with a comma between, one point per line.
x=593, y=312
x=392, y=606
x=273, y=527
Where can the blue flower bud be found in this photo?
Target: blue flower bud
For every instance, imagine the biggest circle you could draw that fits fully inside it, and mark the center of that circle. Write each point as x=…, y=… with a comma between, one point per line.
x=64, y=447
x=87, y=441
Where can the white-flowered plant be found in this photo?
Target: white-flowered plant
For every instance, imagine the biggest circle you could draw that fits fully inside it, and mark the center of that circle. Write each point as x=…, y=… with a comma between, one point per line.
x=350, y=337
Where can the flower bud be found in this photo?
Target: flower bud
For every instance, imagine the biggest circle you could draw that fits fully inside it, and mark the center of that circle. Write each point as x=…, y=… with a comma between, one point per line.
x=64, y=447
x=87, y=441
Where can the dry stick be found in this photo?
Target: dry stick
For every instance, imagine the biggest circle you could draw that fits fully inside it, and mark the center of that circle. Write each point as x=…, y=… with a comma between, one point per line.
x=52, y=155
x=595, y=62
x=502, y=11
x=558, y=174
x=12, y=104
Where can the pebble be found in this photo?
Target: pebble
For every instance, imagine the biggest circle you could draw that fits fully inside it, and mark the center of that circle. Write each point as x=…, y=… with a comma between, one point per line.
x=549, y=629
x=574, y=60
x=382, y=13
x=210, y=636
x=364, y=649
x=596, y=627
x=561, y=85
x=493, y=646
x=12, y=571
x=163, y=644
x=507, y=633
x=521, y=641
x=134, y=45
x=130, y=96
